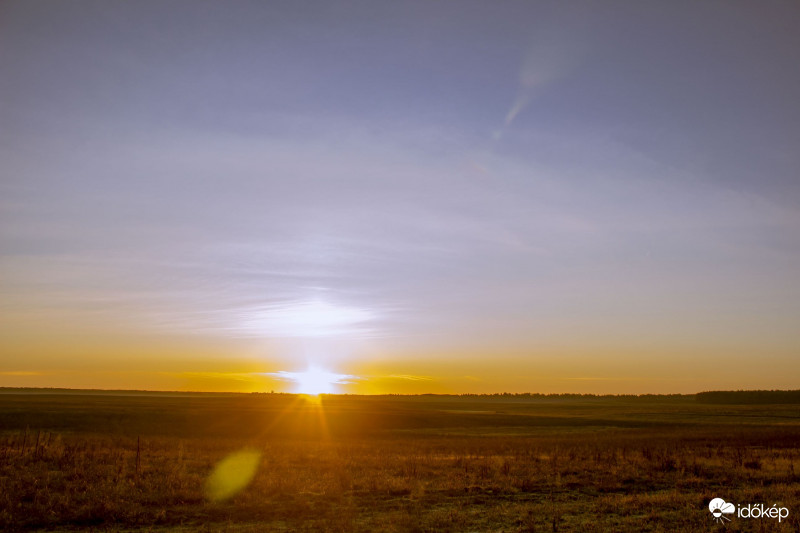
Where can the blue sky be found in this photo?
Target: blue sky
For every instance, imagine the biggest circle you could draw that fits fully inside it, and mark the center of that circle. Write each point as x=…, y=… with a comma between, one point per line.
x=600, y=192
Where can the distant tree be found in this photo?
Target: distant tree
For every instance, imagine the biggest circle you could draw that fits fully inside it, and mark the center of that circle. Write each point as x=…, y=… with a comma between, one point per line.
x=749, y=397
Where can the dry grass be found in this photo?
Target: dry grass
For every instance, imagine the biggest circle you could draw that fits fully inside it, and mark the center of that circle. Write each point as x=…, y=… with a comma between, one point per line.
x=626, y=466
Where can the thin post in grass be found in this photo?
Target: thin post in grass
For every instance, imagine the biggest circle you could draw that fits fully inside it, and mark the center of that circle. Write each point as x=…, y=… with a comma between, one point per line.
x=138, y=452
x=24, y=442
x=36, y=449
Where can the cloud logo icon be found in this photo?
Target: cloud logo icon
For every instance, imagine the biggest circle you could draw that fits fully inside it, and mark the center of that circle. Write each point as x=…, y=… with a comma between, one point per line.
x=719, y=508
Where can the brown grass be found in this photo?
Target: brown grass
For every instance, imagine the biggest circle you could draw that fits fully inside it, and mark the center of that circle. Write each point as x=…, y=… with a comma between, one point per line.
x=617, y=467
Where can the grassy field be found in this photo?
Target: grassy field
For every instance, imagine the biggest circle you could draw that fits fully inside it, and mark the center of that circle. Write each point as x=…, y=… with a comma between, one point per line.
x=149, y=462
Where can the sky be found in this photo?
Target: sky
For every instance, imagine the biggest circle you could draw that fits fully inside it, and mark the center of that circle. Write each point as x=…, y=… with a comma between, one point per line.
x=405, y=197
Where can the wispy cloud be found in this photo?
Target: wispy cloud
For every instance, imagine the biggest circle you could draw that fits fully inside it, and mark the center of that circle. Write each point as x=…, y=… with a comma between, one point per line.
x=217, y=376
x=306, y=319
x=315, y=372
x=407, y=377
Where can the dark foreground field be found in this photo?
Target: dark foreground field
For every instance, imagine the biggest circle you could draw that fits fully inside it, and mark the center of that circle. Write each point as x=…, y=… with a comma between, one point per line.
x=124, y=462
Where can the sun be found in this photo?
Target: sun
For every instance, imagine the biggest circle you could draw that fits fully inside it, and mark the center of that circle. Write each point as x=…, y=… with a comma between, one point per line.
x=316, y=381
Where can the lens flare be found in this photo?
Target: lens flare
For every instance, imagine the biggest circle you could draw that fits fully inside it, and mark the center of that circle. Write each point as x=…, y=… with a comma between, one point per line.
x=232, y=474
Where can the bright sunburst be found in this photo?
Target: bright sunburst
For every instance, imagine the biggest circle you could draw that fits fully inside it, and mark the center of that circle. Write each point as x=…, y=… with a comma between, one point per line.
x=314, y=381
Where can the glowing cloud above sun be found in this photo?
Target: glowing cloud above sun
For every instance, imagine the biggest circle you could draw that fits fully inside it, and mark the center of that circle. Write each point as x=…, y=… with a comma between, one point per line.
x=307, y=319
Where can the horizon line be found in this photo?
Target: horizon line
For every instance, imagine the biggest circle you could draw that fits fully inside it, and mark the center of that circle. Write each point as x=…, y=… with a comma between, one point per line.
x=6, y=389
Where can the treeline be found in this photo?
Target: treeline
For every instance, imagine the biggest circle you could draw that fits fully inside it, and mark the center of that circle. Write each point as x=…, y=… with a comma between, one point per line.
x=575, y=396
x=749, y=396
